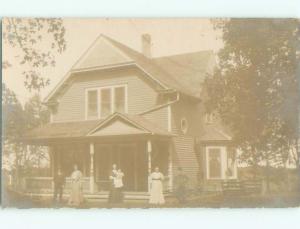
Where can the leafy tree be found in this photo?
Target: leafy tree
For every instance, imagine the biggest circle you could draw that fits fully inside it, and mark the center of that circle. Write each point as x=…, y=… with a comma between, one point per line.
x=36, y=114
x=39, y=40
x=255, y=89
x=13, y=126
x=16, y=121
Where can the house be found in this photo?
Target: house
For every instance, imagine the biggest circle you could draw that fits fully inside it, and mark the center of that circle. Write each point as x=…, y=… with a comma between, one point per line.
x=117, y=105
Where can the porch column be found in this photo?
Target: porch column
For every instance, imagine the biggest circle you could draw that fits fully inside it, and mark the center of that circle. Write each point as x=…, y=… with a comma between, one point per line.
x=170, y=168
x=149, y=149
x=92, y=184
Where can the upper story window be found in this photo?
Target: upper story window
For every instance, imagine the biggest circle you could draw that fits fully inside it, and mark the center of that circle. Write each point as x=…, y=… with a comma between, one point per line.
x=92, y=103
x=103, y=101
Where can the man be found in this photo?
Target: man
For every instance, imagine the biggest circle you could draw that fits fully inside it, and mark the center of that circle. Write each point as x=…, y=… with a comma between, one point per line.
x=59, y=183
x=180, y=186
x=112, y=192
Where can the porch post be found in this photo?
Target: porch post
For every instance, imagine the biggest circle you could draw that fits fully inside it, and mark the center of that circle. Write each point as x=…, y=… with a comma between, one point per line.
x=92, y=151
x=149, y=149
x=170, y=168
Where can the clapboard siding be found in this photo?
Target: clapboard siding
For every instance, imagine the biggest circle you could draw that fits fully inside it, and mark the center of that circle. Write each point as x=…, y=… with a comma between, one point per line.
x=159, y=117
x=184, y=143
x=185, y=157
x=141, y=93
x=192, y=112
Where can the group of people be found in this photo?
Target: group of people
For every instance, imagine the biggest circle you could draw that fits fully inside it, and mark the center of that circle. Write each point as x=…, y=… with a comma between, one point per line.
x=76, y=195
x=156, y=178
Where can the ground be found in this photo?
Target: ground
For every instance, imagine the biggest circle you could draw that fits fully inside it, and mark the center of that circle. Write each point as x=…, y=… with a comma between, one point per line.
x=216, y=200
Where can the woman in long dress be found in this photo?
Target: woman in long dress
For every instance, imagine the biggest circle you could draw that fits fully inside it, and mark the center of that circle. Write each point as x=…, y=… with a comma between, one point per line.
x=76, y=196
x=156, y=188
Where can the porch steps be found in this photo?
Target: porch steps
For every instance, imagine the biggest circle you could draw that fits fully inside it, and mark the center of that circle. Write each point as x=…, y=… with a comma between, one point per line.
x=97, y=197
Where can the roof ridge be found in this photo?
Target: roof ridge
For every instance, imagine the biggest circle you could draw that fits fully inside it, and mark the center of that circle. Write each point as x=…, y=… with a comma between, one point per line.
x=184, y=54
x=143, y=58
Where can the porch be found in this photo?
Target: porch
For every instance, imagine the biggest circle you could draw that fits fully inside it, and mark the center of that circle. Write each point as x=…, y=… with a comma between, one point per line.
x=136, y=159
x=135, y=146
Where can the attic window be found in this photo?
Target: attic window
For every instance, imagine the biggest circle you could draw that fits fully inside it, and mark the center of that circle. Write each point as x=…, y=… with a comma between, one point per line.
x=184, y=125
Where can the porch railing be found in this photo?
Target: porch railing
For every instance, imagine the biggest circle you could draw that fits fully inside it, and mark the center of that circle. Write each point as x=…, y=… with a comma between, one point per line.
x=45, y=184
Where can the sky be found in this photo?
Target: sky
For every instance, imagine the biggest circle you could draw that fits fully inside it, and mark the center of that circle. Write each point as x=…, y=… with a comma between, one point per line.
x=169, y=37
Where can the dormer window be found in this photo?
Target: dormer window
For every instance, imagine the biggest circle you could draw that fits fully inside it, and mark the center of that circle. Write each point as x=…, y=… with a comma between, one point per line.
x=103, y=101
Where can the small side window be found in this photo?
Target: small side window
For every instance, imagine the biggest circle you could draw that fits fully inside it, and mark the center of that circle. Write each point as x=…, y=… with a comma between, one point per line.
x=184, y=125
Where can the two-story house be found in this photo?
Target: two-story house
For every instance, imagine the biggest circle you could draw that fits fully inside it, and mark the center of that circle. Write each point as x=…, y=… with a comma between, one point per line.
x=117, y=105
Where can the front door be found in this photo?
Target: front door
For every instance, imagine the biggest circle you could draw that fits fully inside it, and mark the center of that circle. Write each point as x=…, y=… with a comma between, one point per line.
x=129, y=157
x=103, y=163
x=127, y=163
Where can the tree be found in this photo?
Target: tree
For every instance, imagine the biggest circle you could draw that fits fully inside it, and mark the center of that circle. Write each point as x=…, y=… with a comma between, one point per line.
x=16, y=121
x=36, y=114
x=255, y=89
x=38, y=40
x=13, y=126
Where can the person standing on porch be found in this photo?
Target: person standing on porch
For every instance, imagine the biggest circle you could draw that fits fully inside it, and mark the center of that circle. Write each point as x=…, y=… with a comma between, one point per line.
x=118, y=183
x=156, y=188
x=112, y=192
x=76, y=196
x=59, y=183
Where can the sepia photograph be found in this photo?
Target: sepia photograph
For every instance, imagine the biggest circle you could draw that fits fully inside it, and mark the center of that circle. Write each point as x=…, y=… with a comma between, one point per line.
x=150, y=113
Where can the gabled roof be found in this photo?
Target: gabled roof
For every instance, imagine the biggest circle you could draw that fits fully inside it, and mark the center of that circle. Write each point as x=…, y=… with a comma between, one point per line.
x=115, y=124
x=125, y=124
x=213, y=133
x=62, y=130
x=182, y=73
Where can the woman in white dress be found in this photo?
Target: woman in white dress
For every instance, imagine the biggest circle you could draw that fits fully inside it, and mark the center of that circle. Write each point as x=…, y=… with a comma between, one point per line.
x=76, y=196
x=156, y=187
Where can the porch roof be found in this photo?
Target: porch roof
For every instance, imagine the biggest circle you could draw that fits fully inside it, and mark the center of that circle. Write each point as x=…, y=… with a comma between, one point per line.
x=116, y=124
x=213, y=133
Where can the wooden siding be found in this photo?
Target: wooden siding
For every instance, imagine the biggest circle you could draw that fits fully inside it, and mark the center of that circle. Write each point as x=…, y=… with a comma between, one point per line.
x=192, y=112
x=184, y=156
x=141, y=93
x=159, y=117
x=184, y=143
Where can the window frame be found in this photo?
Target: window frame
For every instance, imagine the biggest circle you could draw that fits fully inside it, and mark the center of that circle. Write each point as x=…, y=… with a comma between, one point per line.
x=112, y=93
x=87, y=104
x=224, y=163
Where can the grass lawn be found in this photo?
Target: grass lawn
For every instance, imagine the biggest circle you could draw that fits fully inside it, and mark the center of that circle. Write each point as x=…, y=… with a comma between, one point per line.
x=197, y=201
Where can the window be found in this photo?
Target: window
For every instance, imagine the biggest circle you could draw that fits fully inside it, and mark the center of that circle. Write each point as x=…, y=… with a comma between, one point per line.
x=221, y=162
x=104, y=101
x=120, y=99
x=92, y=107
x=231, y=165
x=184, y=125
x=214, y=163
